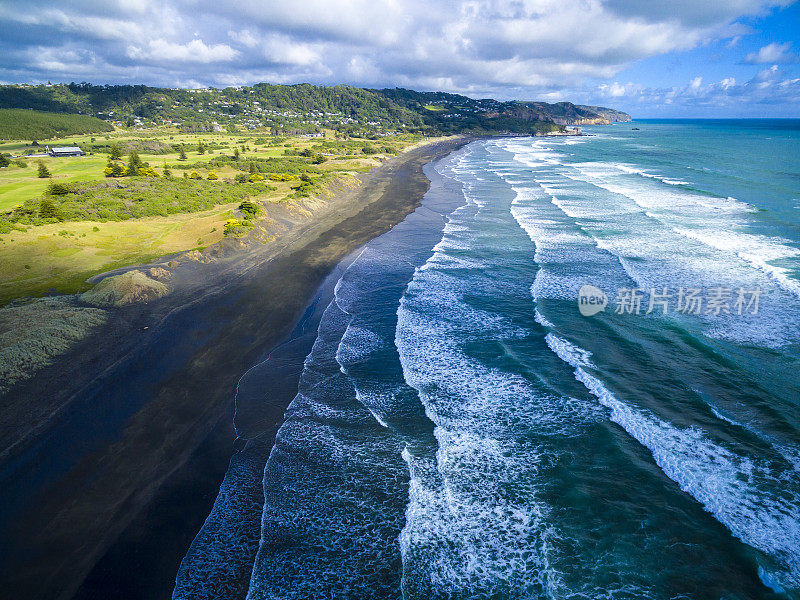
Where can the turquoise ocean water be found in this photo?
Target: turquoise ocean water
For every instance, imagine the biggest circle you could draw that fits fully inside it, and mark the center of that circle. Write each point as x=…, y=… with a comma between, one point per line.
x=462, y=430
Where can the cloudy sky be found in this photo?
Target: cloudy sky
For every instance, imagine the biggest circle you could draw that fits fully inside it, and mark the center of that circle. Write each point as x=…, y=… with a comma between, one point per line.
x=671, y=58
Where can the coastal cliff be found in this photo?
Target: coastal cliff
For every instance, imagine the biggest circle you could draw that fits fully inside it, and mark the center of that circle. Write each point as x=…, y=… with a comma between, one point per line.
x=563, y=113
x=609, y=114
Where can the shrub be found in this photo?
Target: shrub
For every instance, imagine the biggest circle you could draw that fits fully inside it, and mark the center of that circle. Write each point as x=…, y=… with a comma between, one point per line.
x=240, y=178
x=281, y=176
x=256, y=177
x=114, y=169
x=4, y=162
x=250, y=209
x=48, y=209
x=212, y=176
x=195, y=175
x=147, y=172
x=21, y=163
x=130, y=199
x=369, y=149
x=57, y=189
x=319, y=159
x=236, y=227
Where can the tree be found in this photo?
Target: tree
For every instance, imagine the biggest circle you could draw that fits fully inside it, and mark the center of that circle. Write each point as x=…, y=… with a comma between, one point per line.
x=130, y=122
x=134, y=164
x=44, y=172
x=201, y=149
x=319, y=159
x=182, y=154
x=4, y=162
x=116, y=152
x=167, y=172
x=236, y=154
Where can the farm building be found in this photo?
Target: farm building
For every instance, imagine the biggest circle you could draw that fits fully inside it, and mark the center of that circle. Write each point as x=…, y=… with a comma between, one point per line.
x=66, y=151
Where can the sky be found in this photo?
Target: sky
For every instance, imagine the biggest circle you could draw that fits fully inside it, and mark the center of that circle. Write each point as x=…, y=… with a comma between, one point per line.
x=651, y=58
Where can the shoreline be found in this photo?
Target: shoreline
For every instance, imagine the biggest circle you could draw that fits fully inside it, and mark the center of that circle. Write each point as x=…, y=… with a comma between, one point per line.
x=132, y=404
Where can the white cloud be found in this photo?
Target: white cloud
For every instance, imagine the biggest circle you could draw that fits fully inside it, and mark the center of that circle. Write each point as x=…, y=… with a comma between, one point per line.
x=617, y=90
x=567, y=49
x=773, y=53
x=195, y=51
x=244, y=37
x=769, y=87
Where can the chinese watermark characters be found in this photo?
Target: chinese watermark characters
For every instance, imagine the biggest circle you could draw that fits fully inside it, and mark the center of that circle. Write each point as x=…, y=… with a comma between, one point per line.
x=713, y=301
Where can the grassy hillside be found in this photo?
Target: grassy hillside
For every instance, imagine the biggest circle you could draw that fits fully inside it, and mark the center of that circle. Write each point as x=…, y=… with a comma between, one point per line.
x=16, y=124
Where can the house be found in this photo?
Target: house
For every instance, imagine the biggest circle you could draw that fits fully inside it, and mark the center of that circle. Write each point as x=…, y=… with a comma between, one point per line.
x=66, y=151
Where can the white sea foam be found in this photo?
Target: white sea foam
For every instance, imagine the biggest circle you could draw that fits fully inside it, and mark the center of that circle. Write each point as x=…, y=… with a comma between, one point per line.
x=757, y=250
x=464, y=535
x=569, y=352
x=542, y=320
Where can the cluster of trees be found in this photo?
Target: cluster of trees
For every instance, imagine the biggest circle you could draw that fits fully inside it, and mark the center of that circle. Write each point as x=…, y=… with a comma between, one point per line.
x=135, y=167
x=18, y=124
x=316, y=158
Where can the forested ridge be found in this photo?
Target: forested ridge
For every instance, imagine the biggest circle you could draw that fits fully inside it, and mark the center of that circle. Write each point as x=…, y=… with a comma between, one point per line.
x=299, y=108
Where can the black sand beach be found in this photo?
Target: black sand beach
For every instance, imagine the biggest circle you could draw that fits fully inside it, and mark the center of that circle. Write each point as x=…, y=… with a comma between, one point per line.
x=110, y=459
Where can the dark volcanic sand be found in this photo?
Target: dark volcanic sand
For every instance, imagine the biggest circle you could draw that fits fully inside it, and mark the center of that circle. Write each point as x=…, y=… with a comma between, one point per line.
x=128, y=437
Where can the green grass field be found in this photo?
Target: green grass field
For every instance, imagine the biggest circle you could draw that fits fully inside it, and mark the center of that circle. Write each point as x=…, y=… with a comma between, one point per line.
x=38, y=257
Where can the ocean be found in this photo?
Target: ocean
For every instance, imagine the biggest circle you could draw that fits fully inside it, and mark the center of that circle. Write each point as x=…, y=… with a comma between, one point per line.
x=572, y=372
